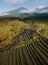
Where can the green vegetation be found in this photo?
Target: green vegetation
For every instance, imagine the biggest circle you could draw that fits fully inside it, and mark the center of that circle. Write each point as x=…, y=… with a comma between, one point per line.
x=23, y=43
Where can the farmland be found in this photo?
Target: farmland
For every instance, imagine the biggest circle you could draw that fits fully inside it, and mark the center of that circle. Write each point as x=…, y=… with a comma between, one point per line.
x=23, y=43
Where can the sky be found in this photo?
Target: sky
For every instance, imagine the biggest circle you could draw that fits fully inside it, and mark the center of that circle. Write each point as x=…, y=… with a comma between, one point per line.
x=7, y=5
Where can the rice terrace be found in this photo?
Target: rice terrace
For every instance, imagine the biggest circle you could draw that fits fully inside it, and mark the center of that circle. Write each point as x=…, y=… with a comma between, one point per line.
x=24, y=37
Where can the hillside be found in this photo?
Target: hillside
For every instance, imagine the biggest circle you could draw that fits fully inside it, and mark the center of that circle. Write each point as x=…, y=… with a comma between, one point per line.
x=20, y=40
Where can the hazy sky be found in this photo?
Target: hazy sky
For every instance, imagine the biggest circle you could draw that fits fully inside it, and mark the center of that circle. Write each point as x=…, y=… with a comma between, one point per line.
x=6, y=5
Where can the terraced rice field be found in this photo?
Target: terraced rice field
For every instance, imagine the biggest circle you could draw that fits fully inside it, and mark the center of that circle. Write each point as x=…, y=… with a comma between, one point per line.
x=27, y=48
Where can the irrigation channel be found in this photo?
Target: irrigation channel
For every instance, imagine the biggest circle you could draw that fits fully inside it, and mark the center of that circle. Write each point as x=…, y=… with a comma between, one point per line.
x=25, y=50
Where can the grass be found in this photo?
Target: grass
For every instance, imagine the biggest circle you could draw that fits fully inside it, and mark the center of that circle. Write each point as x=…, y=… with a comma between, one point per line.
x=10, y=29
x=28, y=44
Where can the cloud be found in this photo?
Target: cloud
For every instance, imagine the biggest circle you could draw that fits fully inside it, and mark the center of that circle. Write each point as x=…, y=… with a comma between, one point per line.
x=46, y=11
x=27, y=11
x=15, y=1
x=2, y=14
x=40, y=7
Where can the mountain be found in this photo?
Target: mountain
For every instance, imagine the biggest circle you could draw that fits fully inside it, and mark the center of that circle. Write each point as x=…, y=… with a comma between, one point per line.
x=17, y=10
x=42, y=10
x=16, y=13
x=23, y=12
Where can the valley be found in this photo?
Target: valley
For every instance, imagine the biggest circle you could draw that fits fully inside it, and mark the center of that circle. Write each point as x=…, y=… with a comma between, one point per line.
x=23, y=43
